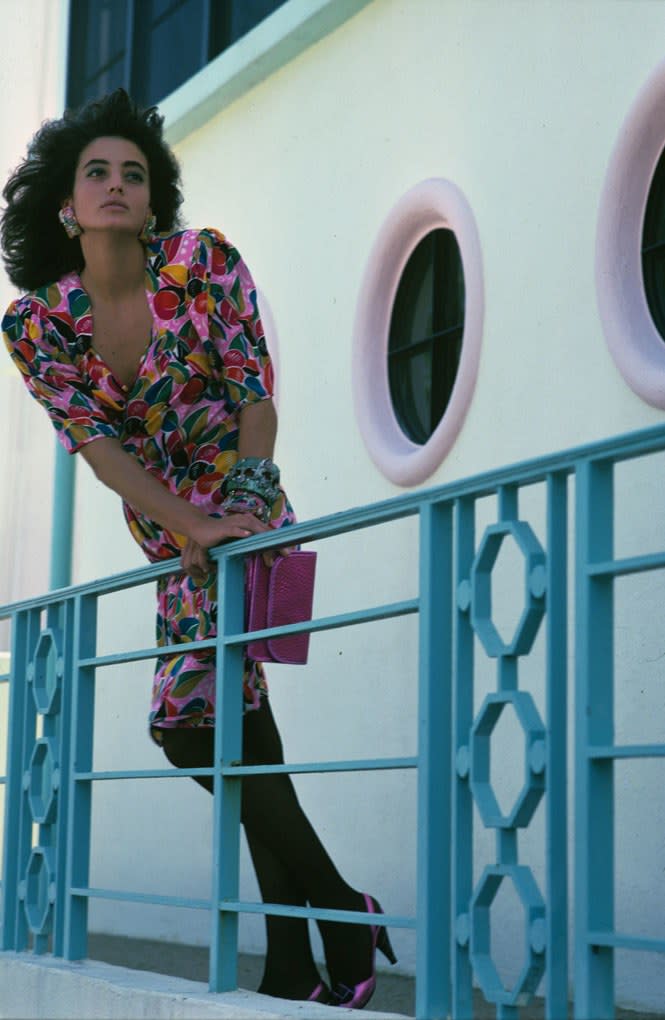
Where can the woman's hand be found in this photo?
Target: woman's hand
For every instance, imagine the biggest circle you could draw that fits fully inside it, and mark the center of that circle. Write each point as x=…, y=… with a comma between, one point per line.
x=213, y=531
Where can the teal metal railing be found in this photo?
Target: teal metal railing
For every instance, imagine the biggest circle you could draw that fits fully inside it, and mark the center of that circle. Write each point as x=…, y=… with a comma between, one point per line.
x=50, y=776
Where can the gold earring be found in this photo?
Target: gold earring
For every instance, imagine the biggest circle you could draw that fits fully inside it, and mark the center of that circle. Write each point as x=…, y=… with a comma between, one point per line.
x=67, y=217
x=148, y=229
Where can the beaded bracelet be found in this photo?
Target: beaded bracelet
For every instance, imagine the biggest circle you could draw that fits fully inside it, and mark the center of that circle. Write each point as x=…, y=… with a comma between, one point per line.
x=245, y=503
x=255, y=475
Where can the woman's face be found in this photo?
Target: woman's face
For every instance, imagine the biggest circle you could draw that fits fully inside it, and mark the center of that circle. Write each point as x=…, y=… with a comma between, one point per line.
x=111, y=187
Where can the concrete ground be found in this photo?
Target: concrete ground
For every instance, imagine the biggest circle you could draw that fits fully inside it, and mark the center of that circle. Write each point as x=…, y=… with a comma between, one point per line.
x=394, y=993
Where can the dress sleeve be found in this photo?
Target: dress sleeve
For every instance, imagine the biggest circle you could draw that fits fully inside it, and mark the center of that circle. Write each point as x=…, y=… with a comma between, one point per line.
x=53, y=378
x=236, y=332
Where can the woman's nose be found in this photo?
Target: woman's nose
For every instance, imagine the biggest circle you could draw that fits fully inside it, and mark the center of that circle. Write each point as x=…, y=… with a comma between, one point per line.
x=115, y=186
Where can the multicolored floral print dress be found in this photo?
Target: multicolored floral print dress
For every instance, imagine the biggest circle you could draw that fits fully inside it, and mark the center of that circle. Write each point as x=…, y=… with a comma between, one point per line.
x=205, y=361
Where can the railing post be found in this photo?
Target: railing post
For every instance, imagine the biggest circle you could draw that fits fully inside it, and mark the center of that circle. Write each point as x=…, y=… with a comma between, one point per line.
x=64, y=619
x=594, y=724
x=16, y=821
x=556, y=803
x=77, y=867
x=433, y=949
x=228, y=751
x=462, y=832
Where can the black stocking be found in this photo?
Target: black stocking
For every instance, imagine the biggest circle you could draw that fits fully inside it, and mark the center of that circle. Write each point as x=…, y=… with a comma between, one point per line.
x=291, y=864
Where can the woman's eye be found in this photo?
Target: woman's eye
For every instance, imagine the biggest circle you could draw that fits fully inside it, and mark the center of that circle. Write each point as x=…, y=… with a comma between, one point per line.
x=135, y=177
x=95, y=171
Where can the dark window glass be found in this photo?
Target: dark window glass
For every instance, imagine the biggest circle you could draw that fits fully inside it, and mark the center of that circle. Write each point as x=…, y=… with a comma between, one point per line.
x=97, y=53
x=169, y=26
x=425, y=338
x=653, y=247
x=150, y=47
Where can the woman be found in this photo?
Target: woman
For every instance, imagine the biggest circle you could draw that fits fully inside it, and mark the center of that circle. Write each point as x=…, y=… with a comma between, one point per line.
x=144, y=345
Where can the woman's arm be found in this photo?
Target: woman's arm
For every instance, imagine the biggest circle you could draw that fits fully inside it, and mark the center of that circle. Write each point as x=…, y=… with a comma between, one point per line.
x=118, y=470
x=257, y=430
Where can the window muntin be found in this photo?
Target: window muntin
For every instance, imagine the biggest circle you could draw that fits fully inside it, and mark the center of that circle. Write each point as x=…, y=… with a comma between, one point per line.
x=653, y=247
x=425, y=339
x=150, y=47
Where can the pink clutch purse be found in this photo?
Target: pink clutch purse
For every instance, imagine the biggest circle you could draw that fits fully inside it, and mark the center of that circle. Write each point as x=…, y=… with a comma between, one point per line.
x=275, y=597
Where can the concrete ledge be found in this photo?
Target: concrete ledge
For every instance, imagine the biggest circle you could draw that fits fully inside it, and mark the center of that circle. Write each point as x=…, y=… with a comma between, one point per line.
x=44, y=987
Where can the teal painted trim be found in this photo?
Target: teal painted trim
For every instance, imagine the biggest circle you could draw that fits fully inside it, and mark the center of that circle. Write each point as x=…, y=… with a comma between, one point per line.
x=228, y=750
x=145, y=653
x=627, y=751
x=27, y=729
x=80, y=793
x=302, y=768
x=433, y=905
x=11, y=872
x=85, y=893
x=88, y=777
x=618, y=941
x=629, y=565
x=272, y=44
x=556, y=748
x=62, y=518
x=319, y=913
x=594, y=724
x=386, y=612
x=462, y=832
x=62, y=618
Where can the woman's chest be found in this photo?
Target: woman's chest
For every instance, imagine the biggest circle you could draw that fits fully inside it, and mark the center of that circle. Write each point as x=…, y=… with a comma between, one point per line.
x=122, y=334
x=176, y=401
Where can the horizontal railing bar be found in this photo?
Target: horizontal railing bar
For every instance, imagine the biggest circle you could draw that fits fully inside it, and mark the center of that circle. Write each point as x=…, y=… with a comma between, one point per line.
x=86, y=777
x=148, y=653
x=317, y=913
x=301, y=768
x=529, y=472
x=246, y=907
x=619, y=941
x=600, y=752
x=627, y=565
x=130, y=897
x=237, y=771
x=403, y=608
x=103, y=586
x=385, y=612
x=4, y=678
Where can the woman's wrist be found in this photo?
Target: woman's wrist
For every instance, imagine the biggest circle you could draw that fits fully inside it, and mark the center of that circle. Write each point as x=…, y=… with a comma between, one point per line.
x=252, y=485
x=241, y=502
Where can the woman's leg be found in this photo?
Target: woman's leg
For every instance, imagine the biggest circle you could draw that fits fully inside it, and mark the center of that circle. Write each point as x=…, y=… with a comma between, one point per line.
x=273, y=813
x=290, y=970
x=294, y=865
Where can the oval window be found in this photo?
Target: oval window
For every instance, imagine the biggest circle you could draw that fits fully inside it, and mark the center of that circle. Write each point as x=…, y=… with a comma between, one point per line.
x=426, y=329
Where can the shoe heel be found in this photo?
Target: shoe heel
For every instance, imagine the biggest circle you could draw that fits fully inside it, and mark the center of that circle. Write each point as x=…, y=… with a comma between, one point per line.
x=383, y=943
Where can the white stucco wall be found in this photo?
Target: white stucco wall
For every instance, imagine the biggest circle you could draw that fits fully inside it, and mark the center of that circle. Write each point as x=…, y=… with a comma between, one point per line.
x=520, y=105
x=27, y=457
x=31, y=83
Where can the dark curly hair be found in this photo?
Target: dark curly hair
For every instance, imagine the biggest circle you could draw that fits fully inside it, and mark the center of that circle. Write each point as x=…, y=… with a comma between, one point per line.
x=36, y=250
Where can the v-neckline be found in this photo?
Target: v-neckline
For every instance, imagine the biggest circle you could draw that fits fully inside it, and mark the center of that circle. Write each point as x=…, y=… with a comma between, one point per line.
x=149, y=296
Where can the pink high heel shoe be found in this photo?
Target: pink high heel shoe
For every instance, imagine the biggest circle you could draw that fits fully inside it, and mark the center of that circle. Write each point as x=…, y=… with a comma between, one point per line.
x=320, y=994
x=358, y=996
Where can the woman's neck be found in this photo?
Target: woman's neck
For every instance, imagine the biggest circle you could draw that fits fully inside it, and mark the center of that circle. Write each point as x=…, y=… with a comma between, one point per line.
x=114, y=265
